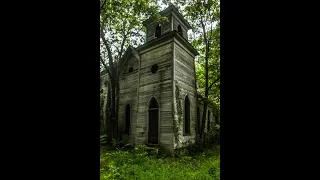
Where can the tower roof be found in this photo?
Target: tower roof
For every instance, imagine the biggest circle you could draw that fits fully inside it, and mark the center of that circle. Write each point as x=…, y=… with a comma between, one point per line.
x=171, y=9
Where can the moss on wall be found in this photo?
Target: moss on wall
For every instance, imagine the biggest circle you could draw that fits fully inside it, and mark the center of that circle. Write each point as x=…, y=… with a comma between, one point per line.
x=179, y=112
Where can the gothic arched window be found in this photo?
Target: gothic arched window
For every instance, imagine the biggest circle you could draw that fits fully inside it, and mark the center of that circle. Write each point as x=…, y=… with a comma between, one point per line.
x=128, y=117
x=153, y=122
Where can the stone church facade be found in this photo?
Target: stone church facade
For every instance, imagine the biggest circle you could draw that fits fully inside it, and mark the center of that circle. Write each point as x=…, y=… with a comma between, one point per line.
x=158, y=98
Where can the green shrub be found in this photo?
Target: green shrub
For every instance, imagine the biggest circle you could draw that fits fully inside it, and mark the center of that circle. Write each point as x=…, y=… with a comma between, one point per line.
x=141, y=163
x=103, y=140
x=116, y=144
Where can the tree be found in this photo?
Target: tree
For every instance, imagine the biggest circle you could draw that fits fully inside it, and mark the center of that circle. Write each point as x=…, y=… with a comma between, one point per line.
x=205, y=18
x=120, y=26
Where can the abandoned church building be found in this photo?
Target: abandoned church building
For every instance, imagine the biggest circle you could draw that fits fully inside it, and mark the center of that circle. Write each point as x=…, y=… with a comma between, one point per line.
x=158, y=98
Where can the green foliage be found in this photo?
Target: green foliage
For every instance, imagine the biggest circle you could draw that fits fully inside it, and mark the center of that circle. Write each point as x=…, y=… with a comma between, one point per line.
x=121, y=21
x=205, y=18
x=139, y=164
x=116, y=144
x=207, y=12
x=103, y=140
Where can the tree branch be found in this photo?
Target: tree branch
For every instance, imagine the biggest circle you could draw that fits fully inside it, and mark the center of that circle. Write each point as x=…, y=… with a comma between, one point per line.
x=211, y=32
x=206, y=57
x=213, y=83
x=105, y=66
x=103, y=4
x=122, y=44
x=103, y=63
x=205, y=40
x=105, y=42
x=136, y=33
x=116, y=48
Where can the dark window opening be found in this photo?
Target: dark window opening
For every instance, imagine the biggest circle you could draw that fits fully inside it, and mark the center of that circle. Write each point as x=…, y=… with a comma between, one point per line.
x=130, y=70
x=158, y=31
x=153, y=118
x=208, y=121
x=127, y=123
x=154, y=68
x=186, y=116
x=153, y=104
x=180, y=30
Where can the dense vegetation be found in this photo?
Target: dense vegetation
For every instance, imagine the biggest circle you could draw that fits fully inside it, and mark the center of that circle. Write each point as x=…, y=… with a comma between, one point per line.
x=150, y=164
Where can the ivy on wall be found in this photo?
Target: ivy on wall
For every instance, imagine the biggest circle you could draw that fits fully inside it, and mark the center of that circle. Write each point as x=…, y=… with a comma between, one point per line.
x=179, y=112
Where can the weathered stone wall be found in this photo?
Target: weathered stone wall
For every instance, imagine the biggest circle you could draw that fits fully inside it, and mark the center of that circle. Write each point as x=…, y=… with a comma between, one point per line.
x=128, y=82
x=158, y=85
x=184, y=85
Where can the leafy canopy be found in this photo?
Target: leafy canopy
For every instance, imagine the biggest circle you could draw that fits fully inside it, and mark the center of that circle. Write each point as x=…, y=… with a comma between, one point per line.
x=121, y=22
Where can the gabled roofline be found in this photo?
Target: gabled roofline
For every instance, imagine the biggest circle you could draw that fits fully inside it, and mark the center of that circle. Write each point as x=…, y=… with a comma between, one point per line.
x=167, y=36
x=129, y=52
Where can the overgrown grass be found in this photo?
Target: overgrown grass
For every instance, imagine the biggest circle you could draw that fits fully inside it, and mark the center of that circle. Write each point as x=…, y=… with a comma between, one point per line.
x=139, y=164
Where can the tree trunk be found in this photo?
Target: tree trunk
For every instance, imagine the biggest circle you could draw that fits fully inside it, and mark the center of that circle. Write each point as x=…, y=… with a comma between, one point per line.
x=108, y=125
x=117, y=89
x=204, y=116
x=111, y=121
x=113, y=109
x=114, y=92
x=203, y=124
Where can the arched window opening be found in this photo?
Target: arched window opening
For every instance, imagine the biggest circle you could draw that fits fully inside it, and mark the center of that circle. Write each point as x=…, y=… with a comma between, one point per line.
x=154, y=68
x=158, y=31
x=153, y=104
x=186, y=115
x=208, y=120
x=128, y=117
x=180, y=30
x=153, y=116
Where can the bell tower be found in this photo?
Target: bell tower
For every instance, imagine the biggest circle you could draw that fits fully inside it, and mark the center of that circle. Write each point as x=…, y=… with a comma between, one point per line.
x=175, y=22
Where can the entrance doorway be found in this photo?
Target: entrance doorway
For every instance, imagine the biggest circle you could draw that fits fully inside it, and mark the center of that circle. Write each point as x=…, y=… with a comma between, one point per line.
x=153, y=116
